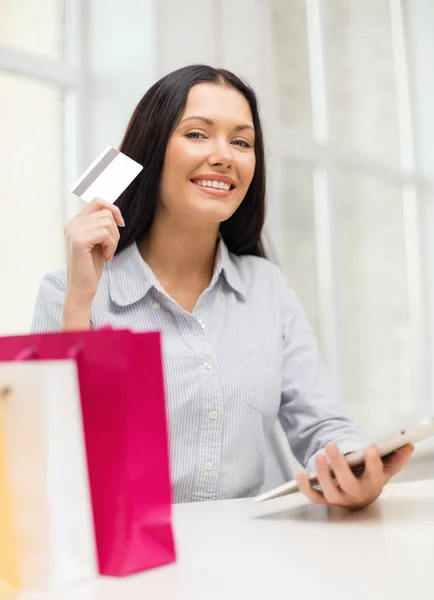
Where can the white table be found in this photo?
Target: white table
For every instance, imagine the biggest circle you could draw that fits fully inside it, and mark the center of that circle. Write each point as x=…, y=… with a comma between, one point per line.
x=288, y=548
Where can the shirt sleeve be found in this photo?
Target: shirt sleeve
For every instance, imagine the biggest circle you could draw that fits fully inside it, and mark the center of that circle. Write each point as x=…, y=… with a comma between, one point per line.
x=47, y=316
x=310, y=412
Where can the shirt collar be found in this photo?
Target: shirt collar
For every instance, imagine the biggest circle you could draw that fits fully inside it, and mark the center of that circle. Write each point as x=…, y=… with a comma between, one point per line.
x=228, y=263
x=130, y=278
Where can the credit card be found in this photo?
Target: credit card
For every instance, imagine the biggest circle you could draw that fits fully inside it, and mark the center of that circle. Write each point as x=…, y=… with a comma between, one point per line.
x=107, y=177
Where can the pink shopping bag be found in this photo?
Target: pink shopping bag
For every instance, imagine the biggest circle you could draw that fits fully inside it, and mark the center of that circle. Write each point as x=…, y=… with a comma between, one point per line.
x=124, y=418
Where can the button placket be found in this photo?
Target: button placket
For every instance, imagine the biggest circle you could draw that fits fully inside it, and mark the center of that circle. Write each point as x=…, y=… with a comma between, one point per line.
x=209, y=442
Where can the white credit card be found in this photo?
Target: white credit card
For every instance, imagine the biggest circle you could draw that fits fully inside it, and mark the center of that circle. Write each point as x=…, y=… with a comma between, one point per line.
x=107, y=177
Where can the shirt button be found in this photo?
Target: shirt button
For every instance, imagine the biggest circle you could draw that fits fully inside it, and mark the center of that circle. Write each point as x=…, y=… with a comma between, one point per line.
x=201, y=323
x=207, y=364
x=157, y=306
x=209, y=465
x=213, y=415
x=222, y=296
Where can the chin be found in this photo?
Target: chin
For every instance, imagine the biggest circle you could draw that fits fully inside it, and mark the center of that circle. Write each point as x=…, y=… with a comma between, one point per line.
x=215, y=217
x=213, y=214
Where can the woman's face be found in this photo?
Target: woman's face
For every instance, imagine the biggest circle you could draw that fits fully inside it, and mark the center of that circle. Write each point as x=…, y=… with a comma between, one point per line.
x=210, y=158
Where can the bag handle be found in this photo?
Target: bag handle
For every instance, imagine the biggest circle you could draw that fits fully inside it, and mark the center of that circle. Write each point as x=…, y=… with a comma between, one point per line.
x=26, y=353
x=30, y=352
x=74, y=351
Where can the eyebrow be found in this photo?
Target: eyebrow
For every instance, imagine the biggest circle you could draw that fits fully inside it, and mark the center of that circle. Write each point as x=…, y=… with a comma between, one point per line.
x=211, y=122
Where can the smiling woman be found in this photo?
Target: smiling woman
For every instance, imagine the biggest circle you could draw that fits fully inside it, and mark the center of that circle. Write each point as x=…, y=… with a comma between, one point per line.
x=198, y=124
x=181, y=252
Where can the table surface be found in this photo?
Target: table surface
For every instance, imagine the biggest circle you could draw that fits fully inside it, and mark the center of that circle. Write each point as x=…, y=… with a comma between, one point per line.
x=237, y=549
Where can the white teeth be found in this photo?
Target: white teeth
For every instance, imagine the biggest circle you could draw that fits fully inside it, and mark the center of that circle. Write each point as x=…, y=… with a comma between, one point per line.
x=219, y=185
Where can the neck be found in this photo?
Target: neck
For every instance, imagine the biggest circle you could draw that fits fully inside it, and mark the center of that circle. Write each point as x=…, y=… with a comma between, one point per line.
x=180, y=254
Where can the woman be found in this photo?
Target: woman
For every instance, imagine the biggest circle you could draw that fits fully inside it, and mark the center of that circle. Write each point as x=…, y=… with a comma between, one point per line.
x=181, y=252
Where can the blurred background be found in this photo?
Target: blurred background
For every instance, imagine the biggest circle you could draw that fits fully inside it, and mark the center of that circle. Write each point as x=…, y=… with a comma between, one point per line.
x=347, y=96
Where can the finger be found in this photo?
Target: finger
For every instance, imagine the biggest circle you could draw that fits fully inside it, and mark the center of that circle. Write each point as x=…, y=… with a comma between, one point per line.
x=373, y=475
x=106, y=220
x=345, y=478
x=107, y=242
x=305, y=487
x=328, y=486
x=80, y=232
x=102, y=214
x=98, y=204
x=103, y=218
x=396, y=461
x=86, y=239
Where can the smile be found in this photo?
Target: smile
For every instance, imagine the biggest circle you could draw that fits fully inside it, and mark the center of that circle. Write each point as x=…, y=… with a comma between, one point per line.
x=214, y=187
x=217, y=185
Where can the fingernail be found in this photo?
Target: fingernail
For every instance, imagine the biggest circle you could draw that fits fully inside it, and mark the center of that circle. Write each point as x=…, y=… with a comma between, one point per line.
x=371, y=453
x=332, y=449
x=298, y=478
x=321, y=460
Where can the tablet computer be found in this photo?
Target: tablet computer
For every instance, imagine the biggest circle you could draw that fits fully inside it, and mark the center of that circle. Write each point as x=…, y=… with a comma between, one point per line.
x=356, y=460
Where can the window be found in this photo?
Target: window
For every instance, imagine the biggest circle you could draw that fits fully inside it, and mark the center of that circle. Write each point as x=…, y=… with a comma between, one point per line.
x=363, y=94
x=299, y=238
x=373, y=316
x=34, y=27
x=352, y=198
x=40, y=98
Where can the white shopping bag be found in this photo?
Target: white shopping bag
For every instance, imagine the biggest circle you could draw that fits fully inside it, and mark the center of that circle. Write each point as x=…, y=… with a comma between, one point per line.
x=46, y=459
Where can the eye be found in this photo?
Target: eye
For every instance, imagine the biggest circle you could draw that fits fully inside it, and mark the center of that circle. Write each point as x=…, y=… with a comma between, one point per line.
x=194, y=135
x=242, y=143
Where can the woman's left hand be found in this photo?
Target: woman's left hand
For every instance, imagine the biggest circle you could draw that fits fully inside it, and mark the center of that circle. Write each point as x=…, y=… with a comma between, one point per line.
x=350, y=491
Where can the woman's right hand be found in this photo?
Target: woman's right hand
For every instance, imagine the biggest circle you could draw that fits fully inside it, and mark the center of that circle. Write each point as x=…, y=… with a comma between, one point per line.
x=92, y=238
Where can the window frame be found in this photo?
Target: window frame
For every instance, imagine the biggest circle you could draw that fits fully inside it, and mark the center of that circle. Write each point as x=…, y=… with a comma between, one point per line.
x=68, y=74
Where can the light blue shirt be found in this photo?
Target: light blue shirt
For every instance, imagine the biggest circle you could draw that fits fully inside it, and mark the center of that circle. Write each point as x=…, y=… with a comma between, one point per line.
x=245, y=356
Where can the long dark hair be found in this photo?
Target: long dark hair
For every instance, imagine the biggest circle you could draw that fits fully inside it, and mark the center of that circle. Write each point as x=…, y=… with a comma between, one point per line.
x=146, y=138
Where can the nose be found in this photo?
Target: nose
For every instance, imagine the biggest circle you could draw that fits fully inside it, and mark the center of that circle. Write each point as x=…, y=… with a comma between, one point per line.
x=221, y=155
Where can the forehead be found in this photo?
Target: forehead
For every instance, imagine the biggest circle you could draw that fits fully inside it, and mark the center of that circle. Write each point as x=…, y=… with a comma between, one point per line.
x=217, y=102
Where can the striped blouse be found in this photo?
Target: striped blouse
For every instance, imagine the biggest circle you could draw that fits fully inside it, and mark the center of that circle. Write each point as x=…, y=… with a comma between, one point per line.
x=244, y=357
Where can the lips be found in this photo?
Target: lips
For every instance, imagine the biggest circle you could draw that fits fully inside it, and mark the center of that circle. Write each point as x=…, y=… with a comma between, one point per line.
x=222, y=192
x=215, y=185
x=213, y=180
